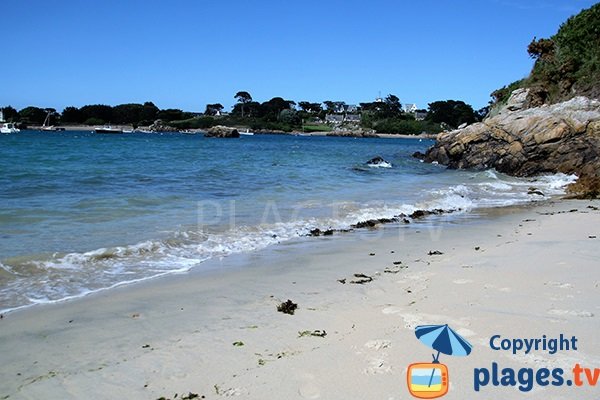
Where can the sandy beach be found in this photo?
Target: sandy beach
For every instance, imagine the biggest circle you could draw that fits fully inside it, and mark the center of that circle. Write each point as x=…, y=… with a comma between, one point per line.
x=520, y=272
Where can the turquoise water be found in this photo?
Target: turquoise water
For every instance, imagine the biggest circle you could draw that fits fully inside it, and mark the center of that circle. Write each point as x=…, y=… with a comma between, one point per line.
x=81, y=212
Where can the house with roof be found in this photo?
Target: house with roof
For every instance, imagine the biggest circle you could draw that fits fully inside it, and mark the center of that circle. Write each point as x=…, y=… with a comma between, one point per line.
x=420, y=115
x=351, y=108
x=355, y=118
x=334, y=119
x=410, y=108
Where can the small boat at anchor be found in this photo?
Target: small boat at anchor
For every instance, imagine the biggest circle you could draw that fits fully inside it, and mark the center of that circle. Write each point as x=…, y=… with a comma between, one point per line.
x=107, y=129
x=247, y=133
x=46, y=127
x=9, y=127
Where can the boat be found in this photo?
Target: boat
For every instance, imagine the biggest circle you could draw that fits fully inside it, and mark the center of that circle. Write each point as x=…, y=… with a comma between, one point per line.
x=50, y=128
x=127, y=130
x=247, y=133
x=107, y=129
x=9, y=127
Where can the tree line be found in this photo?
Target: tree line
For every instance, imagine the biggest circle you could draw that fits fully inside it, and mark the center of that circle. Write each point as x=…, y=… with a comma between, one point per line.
x=382, y=115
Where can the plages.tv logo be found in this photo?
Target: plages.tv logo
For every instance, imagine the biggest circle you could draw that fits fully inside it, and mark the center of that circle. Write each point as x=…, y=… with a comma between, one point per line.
x=428, y=380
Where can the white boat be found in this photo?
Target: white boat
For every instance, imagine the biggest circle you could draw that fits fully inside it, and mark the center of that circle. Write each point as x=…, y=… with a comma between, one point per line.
x=9, y=128
x=107, y=129
x=127, y=130
x=50, y=128
x=247, y=133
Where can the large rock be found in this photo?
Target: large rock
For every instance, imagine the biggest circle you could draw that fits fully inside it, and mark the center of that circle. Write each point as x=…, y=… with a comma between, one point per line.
x=220, y=131
x=519, y=141
x=160, y=126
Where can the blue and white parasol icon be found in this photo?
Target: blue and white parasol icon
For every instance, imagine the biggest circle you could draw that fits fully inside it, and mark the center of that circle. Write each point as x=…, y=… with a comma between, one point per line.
x=443, y=339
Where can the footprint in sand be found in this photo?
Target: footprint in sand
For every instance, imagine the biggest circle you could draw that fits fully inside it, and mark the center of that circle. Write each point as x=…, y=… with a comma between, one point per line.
x=377, y=366
x=392, y=310
x=378, y=344
x=462, y=281
x=308, y=389
x=559, y=285
x=571, y=313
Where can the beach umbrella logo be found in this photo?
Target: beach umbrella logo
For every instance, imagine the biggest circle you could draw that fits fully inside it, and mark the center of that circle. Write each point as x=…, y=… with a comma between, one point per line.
x=430, y=379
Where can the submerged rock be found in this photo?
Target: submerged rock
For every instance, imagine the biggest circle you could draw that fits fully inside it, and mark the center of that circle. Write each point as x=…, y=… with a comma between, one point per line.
x=379, y=162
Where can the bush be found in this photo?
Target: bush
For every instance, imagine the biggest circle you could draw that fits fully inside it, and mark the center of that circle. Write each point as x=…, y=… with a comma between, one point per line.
x=406, y=127
x=94, y=121
x=567, y=64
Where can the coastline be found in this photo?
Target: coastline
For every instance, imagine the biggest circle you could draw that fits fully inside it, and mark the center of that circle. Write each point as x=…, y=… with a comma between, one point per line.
x=86, y=128
x=521, y=271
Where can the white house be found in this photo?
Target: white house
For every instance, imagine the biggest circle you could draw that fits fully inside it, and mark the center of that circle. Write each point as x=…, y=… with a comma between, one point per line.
x=334, y=118
x=351, y=108
x=410, y=108
x=1, y=115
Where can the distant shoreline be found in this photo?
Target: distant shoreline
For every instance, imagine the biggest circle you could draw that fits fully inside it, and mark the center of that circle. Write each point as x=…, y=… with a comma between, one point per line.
x=86, y=128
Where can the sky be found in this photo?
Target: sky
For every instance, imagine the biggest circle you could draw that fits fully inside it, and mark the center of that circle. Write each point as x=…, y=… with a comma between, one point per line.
x=185, y=53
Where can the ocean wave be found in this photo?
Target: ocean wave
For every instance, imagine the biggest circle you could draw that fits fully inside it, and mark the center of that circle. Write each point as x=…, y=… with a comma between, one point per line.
x=58, y=277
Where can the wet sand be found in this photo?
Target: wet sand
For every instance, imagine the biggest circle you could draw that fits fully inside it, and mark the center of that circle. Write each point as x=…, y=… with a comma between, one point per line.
x=520, y=272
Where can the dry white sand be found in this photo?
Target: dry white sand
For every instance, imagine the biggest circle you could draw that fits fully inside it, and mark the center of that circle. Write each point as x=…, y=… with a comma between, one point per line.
x=514, y=272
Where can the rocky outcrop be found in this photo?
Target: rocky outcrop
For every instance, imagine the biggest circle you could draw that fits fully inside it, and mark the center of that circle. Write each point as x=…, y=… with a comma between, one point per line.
x=160, y=126
x=357, y=133
x=220, y=131
x=521, y=141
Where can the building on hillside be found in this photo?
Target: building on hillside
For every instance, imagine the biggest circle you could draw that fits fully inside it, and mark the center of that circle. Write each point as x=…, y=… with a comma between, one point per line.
x=1, y=116
x=337, y=119
x=410, y=108
x=352, y=118
x=351, y=108
x=334, y=119
x=420, y=115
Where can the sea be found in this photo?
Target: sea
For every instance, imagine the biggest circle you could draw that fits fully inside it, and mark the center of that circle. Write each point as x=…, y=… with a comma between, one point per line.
x=82, y=212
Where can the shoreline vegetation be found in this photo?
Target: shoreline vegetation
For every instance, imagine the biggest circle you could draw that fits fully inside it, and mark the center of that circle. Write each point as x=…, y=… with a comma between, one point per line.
x=384, y=115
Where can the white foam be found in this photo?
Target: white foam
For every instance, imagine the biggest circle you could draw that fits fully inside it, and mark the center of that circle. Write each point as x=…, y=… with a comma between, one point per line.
x=67, y=276
x=381, y=164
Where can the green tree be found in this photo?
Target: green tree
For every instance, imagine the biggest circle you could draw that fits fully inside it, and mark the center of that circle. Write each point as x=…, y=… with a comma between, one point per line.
x=243, y=98
x=148, y=113
x=171, y=114
x=311, y=108
x=271, y=109
x=97, y=112
x=393, y=105
x=32, y=115
x=451, y=112
x=329, y=106
x=289, y=117
x=213, y=109
x=10, y=114
x=72, y=115
x=127, y=113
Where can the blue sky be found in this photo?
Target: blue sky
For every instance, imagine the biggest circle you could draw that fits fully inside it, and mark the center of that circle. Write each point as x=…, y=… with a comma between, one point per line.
x=185, y=53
